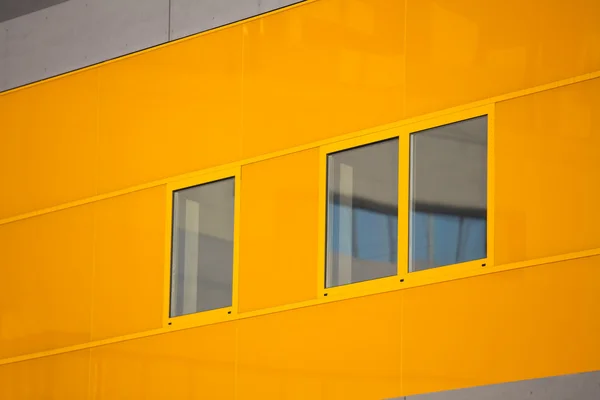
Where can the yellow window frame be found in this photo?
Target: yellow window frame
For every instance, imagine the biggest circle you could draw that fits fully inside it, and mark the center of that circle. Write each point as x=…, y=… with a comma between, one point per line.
x=357, y=288
x=219, y=314
x=458, y=270
x=403, y=278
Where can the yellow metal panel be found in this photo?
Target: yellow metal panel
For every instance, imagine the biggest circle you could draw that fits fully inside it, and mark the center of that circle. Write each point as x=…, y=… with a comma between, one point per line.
x=45, y=290
x=459, y=51
x=547, y=193
x=47, y=144
x=342, y=350
x=190, y=364
x=60, y=377
x=128, y=270
x=173, y=110
x=320, y=70
x=315, y=72
x=278, y=229
x=527, y=323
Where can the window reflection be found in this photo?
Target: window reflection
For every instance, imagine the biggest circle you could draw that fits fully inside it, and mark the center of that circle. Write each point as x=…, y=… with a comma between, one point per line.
x=466, y=234
x=362, y=213
x=447, y=239
x=202, y=255
x=448, y=194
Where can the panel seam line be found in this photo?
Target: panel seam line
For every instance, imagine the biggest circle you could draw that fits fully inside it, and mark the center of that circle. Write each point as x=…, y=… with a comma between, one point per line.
x=280, y=153
x=540, y=262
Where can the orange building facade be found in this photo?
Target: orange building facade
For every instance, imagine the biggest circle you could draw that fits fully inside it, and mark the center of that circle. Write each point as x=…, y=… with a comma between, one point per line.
x=90, y=162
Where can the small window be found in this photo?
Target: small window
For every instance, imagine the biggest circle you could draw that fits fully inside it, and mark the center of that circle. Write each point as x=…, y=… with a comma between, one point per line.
x=448, y=194
x=202, y=248
x=362, y=213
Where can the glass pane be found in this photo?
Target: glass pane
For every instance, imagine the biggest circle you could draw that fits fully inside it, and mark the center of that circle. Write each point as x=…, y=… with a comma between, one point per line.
x=448, y=194
x=362, y=213
x=202, y=256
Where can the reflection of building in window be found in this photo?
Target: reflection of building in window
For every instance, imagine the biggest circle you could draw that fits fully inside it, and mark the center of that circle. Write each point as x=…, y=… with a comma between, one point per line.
x=448, y=194
x=375, y=234
x=202, y=255
x=362, y=213
x=443, y=239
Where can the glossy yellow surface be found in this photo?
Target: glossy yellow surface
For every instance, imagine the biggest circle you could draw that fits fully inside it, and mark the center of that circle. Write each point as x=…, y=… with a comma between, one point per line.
x=189, y=364
x=335, y=351
x=278, y=218
x=460, y=51
x=173, y=110
x=321, y=70
x=515, y=325
x=128, y=267
x=547, y=152
x=46, y=285
x=84, y=273
x=76, y=280
x=493, y=328
x=48, y=144
x=60, y=377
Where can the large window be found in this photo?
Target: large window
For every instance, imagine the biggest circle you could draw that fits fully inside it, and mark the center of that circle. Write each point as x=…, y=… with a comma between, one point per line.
x=362, y=213
x=448, y=194
x=404, y=200
x=202, y=247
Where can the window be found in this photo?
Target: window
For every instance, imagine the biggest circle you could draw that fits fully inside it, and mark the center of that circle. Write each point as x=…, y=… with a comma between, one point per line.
x=362, y=213
x=202, y=247
x=448, y=194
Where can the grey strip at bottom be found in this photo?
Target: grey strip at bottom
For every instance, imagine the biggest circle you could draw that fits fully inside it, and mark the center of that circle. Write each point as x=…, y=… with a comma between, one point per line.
x=584, y=386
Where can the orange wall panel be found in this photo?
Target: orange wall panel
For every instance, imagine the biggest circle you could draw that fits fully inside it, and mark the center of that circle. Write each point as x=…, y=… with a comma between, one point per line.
x=547, y=150
x=129, y=263
x=321, y=70
x=191, y=364
x=59, y=377
x=45, y=290
x=342, y=350
x=493, y=328
x=460, y=51
x=526, y=323
x=47, y=144
x=172, y=110
x=278, y=225
x=313, y=72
